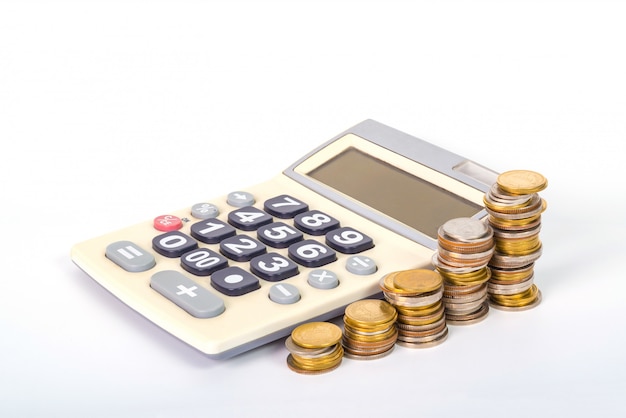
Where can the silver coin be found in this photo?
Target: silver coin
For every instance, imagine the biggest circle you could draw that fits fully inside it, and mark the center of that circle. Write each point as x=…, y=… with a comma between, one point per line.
x=369, y=356
x=465, y=256
x=466, y=229
x=472, y=293
x=508, y=261
x=527, y=233
x=511, y=289
x=411, y=343
x=470, y=318
x=307, y=352
x=496, y=192
x=421, y=328
x=440, y=265
x=413, y=301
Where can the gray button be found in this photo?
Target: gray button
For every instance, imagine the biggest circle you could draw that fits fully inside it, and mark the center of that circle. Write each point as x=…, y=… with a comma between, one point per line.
x=240, y=199
x=187, y=294
x=323, y=279
x=284, y=293
x=204, y=210
x=359, y=264
x=130, y=256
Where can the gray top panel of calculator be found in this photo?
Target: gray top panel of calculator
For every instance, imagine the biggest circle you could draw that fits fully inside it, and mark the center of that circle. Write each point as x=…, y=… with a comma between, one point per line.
x=422, y=152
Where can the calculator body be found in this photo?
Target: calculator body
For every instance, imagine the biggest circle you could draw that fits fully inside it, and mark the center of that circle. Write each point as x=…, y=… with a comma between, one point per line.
x=385, y=193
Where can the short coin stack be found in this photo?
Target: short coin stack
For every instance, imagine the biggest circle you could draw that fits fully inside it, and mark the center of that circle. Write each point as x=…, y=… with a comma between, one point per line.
x=369, y=329
x=465, y=248
x=416, y=295
x=515, y=210
x=314, y=348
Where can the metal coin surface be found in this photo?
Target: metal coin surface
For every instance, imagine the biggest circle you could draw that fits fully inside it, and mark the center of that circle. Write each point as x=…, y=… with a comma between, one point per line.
x=465, y=229
x=316, y=335
x=519, y=182
x=370, y=312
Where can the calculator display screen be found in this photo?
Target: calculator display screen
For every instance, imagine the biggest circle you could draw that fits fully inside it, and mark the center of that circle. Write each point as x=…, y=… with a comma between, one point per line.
x=394, y=192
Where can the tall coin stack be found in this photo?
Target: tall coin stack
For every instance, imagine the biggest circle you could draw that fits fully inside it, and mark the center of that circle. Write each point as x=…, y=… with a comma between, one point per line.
x=465, y=248
x=416, y=295
x=515, y=210
x=314, y=348
x=369, y=329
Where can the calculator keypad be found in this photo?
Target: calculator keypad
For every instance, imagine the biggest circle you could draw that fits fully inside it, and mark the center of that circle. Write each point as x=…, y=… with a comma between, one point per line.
x=348, y=240
x=273, y=267
x=130, y=256
x=203, y=262
x=248, y=218
x=279, y=235
x=234, y=281
x=173, y=244
x=315, y=222
x=284, y=293
x=212, y=232
x=241, y=248
x=311, y=253
x=184, y=292
x=284, y=206
x=233, y=241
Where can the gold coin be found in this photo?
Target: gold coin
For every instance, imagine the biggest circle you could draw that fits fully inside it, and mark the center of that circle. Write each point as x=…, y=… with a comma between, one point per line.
x=420, y=310
x=418, y=280
x=296, y=367
x=520, y=182
x=316, y=335
x=370, y=312
x=319, y=363
x=516, y=300
x=369, y=338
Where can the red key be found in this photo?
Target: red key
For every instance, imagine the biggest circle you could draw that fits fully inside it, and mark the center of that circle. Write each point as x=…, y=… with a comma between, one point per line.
x=167, y=223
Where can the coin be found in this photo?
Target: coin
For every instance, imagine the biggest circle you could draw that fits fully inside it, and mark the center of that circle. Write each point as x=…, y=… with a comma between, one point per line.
x=418, y=280
x=518, y=182
x=464, y=229
x=296, y=367
x=470, y=318
x=370, y=312
x=316, y=335
x=536, y=301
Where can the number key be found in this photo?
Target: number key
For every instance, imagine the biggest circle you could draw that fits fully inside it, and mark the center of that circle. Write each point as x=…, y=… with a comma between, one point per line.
x=348, y=240
x=202, y=262
x=315, y=222
x=278, y=235
x=273, y=267
x=311, y=253
x=211, y=231
x=173, y=244
x=284, y=206
x=248, y=218
x=241, y=248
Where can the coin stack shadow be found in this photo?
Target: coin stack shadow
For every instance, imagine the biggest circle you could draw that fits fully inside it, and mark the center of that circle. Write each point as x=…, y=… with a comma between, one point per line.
x=515, y=209
x=465, y=246
x=416, y=295
x=314, y=348
x=369, y=329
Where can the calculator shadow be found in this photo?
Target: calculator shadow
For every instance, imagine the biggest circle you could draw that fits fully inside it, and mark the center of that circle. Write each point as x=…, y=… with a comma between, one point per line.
x=156, y=336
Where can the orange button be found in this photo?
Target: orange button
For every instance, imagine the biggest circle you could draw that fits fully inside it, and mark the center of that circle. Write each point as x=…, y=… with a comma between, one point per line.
x=167, y=223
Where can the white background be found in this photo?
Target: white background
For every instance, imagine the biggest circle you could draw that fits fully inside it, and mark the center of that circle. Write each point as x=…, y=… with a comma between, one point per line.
x=114, y=112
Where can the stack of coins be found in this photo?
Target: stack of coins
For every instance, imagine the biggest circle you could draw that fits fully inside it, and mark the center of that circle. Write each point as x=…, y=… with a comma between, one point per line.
x=416, y=295
x=314, y=348
x=369, y=329
x=515, y=210
x=465, y=247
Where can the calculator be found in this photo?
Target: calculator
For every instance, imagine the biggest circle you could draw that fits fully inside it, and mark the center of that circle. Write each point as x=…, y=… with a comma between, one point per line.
x=230, y=273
